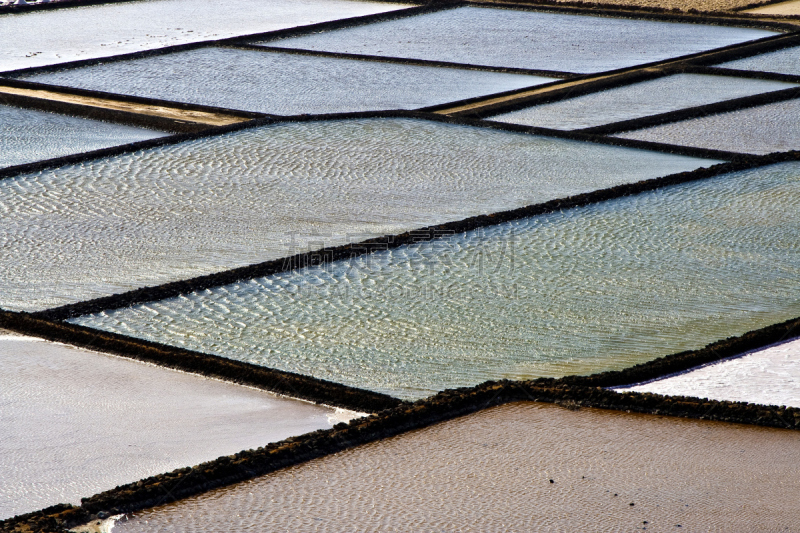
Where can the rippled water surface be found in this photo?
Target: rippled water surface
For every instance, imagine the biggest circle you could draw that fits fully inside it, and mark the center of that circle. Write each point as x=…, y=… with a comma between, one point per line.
x=27, y=136
x=180, y=211
x=50, y=37
x=77, y=422
x=591, y=289
x=491, y=471
x=756, y=130
x=770, y=376
x=286, y=84
x=639, y=100
x=526, y=39
x=786, y=61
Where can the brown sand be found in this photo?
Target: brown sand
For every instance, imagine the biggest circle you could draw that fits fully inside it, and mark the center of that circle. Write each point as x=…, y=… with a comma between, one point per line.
x=784, y=8
x=522, y=467
x=683, y=5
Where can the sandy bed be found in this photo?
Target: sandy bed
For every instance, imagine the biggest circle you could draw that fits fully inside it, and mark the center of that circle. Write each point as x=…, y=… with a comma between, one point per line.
x=521, y=467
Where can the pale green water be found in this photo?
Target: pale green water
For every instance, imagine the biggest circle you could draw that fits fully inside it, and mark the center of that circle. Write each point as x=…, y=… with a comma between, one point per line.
x=590, y=289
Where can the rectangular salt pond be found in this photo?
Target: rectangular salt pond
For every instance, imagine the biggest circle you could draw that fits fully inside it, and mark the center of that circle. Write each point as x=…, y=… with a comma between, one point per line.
x=77, y=422
x=526, y=39
x=786, y=61
x=49, y=37
x=756, y=130
x=492, y=471
x=175, y=212
x=27, y=135
x=287, y=84
x=639, y=100
x=770, y=376
x=601, y=287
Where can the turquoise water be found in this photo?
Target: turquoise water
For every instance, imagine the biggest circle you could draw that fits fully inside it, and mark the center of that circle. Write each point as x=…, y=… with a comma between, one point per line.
x=179, y=211
x=287, y=84
x=585, y=290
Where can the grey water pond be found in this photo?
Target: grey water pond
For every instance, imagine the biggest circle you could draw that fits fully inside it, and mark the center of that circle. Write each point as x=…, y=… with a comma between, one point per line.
x=786, y=61
x=639, y=100
x=77, y=422
x=51, y=37
x=27, y=136
x=286, y=84
x=590, y=289
x=526, y=39
x=755, y=130
x=179, y=211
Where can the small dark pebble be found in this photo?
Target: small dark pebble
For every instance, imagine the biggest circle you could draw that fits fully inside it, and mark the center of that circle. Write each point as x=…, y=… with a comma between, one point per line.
x=551, y=481
x=631, y=504
x=644, y=522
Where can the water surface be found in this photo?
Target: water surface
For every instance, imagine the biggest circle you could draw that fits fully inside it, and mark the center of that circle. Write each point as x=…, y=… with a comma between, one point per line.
x=27, y=136
x=639, y=100
x=49, y=37
x=786, y=61
x=756, y=130
x=286, y=84
x=525, y=39
x=520, y=467
x=586, y=290
x=175, y=212
x=77, y=422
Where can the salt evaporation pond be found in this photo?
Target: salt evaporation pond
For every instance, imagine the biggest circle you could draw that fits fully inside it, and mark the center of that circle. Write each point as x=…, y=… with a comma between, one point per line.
x=49, y=37
x=586, y=290
x=639, y=100
x=287, y=84
x=770, y=376
x=77, y=422
x=526, y=39
x=786, y=61
x=184, y=210
x=756, y=130
x=492, y=471
x=27, y=135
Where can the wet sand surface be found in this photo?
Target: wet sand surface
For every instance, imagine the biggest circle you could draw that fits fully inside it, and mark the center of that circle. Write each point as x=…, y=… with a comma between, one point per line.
x=756, y=130
x=770, y=376
x=525, y=39
x=27, y=136
x=596, y=288
x=784, y=8
x=492, y=471
x=652, y=97
x=287, y=84
x=76, y=422
x=164, y=214
x=118, y=28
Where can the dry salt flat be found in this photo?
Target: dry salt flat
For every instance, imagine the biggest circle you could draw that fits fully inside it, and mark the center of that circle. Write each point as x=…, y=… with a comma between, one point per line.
x=770, y=376
x=76, y=422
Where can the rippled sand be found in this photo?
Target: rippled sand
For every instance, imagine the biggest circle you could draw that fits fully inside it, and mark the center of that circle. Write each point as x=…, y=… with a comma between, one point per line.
x=770, y=376
x=526, y=39
x=119, y=28
x=590, y=289
x=76, y=422
x=27, y=136
x=639, y=100
x=784, y=8
x=756, y=130
x=492, y=471
x=285, y=84
x=786, y=61
x=171, y=213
